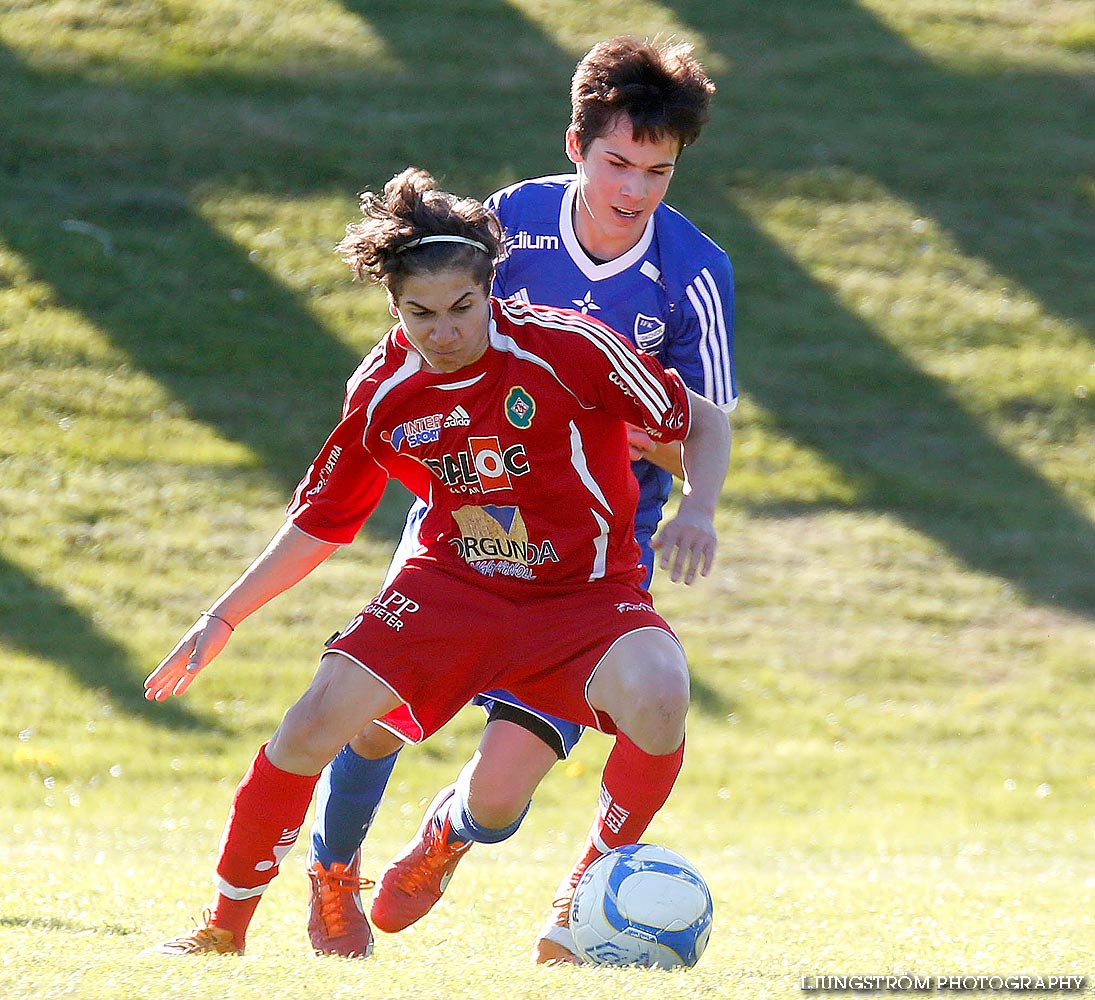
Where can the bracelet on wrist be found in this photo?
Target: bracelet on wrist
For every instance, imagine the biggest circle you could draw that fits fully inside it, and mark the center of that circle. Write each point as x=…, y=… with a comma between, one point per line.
x=213, y=614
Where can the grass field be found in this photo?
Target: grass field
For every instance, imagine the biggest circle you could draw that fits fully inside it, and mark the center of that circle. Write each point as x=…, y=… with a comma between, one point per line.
x=891, y=764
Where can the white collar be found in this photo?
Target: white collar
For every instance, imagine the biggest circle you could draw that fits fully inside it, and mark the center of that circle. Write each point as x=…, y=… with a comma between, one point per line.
x=586, y=264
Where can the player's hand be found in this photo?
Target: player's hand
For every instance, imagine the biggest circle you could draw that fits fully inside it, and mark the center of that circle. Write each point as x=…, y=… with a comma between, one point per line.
x=205, y=639
x=686, y=546
x=638, y=442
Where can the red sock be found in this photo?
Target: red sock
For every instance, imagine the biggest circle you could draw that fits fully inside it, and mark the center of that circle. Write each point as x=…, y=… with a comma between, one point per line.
x=263, y=824
x=634, y=786
x=234, y=915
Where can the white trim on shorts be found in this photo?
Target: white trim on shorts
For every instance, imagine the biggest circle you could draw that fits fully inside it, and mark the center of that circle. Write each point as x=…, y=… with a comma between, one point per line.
x=597, y=713
x=403, y=701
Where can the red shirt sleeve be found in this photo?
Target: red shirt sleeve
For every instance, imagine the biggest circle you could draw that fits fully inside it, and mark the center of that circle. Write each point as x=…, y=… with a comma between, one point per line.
x=631, y=384
x=341, y=488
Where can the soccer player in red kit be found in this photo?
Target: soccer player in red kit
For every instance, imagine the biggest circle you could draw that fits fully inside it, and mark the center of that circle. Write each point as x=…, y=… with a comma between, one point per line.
x=510, y=420
x=603, y=240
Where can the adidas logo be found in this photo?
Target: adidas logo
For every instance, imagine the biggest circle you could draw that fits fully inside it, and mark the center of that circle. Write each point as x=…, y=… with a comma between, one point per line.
x=458, y=418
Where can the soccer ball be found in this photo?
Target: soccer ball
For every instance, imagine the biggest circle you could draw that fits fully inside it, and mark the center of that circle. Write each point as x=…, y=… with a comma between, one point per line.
x=641, y=905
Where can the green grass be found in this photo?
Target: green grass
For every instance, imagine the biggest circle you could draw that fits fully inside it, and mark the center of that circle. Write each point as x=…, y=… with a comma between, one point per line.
x=890, y=765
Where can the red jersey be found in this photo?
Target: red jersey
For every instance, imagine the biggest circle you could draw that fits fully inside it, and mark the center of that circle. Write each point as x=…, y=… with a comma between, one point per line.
x=522, y=456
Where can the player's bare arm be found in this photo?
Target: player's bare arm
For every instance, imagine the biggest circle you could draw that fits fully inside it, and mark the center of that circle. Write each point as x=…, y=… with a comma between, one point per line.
x=686, y=543
x=288, y=559
x=665, y=456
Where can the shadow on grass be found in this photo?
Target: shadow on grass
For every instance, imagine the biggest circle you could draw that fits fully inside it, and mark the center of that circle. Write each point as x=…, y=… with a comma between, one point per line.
x=39, y=621
x=247, y=357
x=101, y=211
x=839, y=90
x=709, y=700
x=998, y=157
x=100, y=206
x=66, y=926
x=911, y=449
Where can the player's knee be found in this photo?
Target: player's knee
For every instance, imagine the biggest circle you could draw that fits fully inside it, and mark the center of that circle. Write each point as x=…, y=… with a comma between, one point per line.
x=304, y=740
x=657, y=726
x=663, y=678
x=643, y=686
x=374, y=742
x=497, y=808
x=660, y=698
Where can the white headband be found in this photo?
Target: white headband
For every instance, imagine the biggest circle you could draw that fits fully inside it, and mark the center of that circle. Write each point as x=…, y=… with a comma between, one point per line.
x=444, y=239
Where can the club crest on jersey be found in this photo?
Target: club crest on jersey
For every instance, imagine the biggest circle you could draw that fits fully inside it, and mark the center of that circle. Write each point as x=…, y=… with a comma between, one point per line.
x=520, y=408
x=485, y=467
x=422, y=430
x=649, y=332
x=494, y=541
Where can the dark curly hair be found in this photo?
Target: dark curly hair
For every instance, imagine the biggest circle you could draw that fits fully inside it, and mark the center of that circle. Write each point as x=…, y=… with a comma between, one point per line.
x=384, y=247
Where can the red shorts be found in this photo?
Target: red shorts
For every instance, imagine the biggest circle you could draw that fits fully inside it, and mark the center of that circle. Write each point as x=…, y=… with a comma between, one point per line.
x=438, y=640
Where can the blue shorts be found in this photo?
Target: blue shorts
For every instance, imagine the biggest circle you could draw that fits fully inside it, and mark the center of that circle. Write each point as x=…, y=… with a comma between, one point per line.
x=559, y=734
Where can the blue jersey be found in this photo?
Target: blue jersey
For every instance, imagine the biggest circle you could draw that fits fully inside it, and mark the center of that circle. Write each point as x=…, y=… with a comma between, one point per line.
x=672, y=295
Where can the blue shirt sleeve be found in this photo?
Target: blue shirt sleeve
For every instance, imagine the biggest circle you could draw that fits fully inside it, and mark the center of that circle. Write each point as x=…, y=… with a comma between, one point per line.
x=701, y=345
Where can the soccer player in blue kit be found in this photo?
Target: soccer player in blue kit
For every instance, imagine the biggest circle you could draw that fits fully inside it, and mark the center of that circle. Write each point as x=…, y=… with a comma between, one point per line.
x=600, y=240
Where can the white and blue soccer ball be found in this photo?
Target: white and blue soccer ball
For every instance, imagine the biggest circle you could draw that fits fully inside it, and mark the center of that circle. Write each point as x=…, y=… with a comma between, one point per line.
x=641, y=905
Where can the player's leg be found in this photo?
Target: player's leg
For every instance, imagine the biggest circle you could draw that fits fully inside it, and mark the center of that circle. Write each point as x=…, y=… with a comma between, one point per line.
x=518, y=747
x=485, y=805
x=348, y=795
x=270, y=803
x=352, y=785
x=642, y=685
x=382, y=651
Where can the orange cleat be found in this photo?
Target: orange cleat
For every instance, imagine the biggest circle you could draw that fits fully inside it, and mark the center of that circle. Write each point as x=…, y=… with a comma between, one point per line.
x=336, y=918
x=554, y=945
x=202, y=940
x=414, y=881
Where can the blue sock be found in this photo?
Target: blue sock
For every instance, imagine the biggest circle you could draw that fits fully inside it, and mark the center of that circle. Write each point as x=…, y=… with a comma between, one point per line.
x=466, y=827
x=347, y=797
